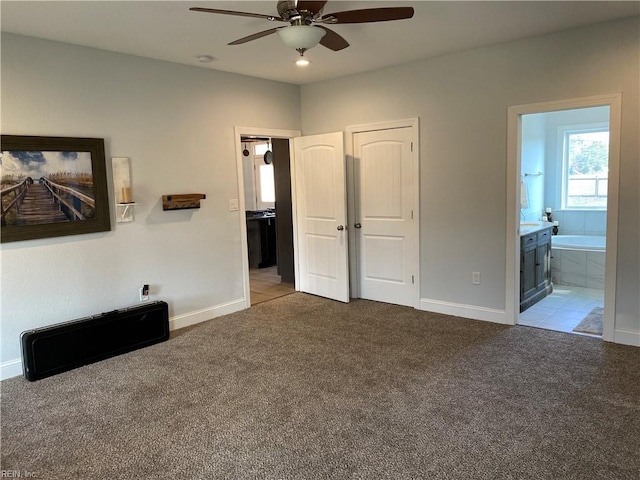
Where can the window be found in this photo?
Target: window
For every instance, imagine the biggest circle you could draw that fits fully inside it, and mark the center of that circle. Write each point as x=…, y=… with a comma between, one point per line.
x=260, y=148
x=267, y=184
x=265, y=192
x=585, y=168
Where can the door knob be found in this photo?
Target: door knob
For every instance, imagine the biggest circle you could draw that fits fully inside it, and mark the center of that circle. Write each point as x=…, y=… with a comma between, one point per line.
x=340, y=227
x=358, y=225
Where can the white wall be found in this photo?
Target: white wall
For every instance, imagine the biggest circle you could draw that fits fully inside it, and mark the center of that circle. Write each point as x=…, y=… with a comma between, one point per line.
x=176, y=123
x=462, y=100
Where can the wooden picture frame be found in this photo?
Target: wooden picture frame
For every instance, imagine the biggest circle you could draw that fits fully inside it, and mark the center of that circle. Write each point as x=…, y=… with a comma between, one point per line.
x=51, y=187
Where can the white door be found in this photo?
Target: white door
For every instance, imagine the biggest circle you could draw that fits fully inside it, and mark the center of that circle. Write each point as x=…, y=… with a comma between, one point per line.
x=386, y=189
x=321, y=206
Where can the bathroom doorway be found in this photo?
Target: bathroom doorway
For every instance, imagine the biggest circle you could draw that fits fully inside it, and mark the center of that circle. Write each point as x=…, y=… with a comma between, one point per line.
x=565, y=176
x=564, y=168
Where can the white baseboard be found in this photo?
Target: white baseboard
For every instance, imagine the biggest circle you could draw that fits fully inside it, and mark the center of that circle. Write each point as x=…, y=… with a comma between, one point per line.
x=198, y=316
x=13, y=368
x=627, y=337
x=9, y=369
x=467, y=311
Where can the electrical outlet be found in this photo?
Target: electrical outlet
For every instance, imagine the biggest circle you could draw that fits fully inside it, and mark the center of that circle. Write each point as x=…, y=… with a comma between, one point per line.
x=233, y=205
x=144, y=293
x=475, y=278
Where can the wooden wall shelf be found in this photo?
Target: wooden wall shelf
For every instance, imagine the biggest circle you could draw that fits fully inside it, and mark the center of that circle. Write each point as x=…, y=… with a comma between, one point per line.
x=182, y=201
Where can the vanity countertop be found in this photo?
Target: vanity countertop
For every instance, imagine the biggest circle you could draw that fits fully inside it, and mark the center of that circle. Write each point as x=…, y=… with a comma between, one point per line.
x=261, y=217
x=532, y=227
x=260, y=214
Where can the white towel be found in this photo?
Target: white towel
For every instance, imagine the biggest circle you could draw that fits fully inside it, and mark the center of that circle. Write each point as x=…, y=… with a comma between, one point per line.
x=524, y=197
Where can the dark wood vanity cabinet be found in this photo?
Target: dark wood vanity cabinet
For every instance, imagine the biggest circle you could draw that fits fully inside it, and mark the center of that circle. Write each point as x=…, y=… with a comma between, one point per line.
x=261, y=241
x=535, y=267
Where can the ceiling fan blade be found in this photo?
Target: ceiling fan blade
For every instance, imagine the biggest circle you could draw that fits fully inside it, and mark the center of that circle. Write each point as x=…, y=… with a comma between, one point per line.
x=238, y=14
x=255, y=36
x=332, y=40
x=369, y=15
x=314, y=7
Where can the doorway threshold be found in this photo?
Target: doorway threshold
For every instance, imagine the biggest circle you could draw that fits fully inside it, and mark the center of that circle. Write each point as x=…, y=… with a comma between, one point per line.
x=265, y=284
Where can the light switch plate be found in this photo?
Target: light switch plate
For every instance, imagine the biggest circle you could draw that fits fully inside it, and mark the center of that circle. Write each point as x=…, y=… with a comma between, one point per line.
x=233, y=205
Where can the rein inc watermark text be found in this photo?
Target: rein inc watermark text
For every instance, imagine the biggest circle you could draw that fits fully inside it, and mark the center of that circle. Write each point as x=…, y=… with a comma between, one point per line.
x=17, y=474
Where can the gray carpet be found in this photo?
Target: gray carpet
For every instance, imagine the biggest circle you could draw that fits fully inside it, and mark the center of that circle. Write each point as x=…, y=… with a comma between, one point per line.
x=592, y=323
x=305, y=388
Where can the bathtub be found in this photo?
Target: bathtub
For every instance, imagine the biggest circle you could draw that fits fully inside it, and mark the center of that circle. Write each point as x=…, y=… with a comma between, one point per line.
x=578, y=260
x=587, y=243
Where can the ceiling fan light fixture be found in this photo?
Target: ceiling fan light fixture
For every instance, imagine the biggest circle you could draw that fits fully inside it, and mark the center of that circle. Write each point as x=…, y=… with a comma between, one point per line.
x=302, y=62
x=301, y=36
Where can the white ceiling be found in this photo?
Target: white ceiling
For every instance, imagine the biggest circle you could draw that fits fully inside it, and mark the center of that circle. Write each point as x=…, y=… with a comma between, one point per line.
x=167, y=30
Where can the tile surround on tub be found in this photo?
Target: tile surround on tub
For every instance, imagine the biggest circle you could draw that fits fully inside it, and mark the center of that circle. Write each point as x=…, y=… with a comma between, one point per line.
x=574, y=262
x=577, y=268
x=573, y=221
x=558, y=216
x=595, y=223
x=595, y=264
x=570, y=279
x=576, y=222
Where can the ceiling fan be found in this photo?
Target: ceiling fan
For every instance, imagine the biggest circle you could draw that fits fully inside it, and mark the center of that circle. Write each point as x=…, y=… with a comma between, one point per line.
x=306, y=21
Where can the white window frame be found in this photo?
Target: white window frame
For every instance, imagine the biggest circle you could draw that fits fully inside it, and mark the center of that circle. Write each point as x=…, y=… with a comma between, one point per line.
x=258, y=163
x=563, y=171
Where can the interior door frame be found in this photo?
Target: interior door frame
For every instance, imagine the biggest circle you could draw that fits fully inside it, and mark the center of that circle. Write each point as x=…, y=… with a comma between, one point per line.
x=350, y=132
x=514, y=143
x=240, y=132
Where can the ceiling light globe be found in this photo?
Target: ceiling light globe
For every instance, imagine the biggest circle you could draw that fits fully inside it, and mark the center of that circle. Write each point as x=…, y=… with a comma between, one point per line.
x=302, y=62
x=301, y=36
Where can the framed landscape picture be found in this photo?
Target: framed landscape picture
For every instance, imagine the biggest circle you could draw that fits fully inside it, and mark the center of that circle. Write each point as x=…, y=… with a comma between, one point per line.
x=52, y=186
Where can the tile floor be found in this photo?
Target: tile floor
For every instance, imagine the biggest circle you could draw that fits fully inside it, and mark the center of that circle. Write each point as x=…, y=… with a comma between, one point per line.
x=563, y=309
x=265, y=284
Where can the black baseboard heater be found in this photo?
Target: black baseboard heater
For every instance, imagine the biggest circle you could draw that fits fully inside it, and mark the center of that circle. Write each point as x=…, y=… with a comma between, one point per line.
x=50, y=350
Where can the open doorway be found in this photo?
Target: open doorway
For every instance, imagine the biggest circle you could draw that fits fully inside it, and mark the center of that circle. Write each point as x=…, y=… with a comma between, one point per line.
x=564, y=165
x=266, y=200
x=563, y=208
